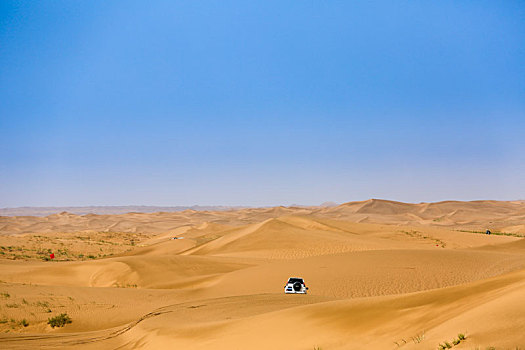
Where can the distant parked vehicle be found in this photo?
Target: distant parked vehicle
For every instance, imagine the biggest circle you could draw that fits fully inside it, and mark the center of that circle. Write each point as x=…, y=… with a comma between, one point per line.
x=178, y=238
x=295, y=285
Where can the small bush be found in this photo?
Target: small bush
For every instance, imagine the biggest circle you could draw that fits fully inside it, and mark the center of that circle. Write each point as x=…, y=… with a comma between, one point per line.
x=445, y=345
x=418, y=338
x=5, y=295
x=59, y=321
x=24, y=323
x=461, y=336
x=42, y=304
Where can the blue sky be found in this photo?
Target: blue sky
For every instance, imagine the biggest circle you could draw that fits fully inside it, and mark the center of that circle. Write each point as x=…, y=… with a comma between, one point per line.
x=260, y=103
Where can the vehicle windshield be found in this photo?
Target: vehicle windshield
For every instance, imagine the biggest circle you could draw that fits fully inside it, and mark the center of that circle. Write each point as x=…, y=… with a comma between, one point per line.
x=293, y=280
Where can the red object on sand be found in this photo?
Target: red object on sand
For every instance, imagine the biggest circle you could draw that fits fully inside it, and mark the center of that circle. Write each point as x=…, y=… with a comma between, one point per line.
x=52, y=255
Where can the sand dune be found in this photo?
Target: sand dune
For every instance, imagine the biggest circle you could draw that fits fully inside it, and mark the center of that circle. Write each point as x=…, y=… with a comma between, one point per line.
x=360, y=323
x=382, y=275
x=475, y=215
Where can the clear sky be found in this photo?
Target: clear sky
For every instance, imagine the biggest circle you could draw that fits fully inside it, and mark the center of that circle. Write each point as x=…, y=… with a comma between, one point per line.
x=260, y=102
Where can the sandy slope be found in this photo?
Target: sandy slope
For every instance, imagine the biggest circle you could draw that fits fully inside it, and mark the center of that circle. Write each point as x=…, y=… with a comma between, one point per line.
x=488, y=312
x=382, y=275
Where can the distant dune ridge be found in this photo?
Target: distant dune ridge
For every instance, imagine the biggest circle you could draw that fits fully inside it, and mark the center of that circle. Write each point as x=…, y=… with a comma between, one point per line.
x=507, y=216
x=381, y=275
x=105, y=210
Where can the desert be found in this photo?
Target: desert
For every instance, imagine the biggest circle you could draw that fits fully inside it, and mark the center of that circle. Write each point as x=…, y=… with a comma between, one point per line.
x=381, y=275
x=266, y=175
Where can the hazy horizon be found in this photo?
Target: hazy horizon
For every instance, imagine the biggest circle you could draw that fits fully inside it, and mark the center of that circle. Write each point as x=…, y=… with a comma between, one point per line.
x=260, y=104
x=226, y=207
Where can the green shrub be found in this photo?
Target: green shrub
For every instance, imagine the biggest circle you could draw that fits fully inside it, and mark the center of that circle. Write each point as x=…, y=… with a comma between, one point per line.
x=445, y=345
x=59, y=321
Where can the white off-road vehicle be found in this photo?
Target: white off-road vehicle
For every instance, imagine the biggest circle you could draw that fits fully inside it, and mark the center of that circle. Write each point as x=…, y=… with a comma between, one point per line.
x=295, y=285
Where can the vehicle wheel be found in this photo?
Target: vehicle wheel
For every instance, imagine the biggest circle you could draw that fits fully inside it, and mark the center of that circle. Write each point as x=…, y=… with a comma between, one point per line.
x=297, y=286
